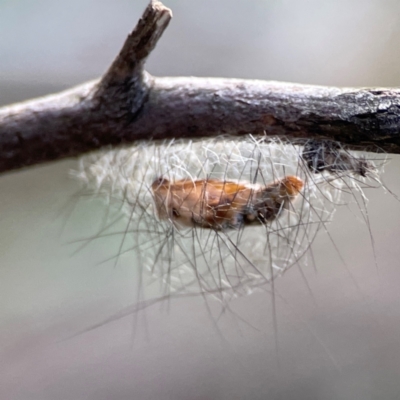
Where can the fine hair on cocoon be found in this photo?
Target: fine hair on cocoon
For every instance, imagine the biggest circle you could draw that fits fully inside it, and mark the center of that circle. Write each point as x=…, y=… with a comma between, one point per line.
x=223, y=217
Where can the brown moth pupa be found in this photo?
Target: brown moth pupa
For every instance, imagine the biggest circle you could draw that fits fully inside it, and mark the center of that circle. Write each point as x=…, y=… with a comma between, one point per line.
x=221, y=205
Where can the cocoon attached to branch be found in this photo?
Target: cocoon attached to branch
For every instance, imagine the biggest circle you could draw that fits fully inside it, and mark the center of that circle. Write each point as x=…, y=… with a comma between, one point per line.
x=224, y=216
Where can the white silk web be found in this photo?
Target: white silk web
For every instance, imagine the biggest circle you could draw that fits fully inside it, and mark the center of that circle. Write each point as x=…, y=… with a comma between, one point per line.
x=217, y=262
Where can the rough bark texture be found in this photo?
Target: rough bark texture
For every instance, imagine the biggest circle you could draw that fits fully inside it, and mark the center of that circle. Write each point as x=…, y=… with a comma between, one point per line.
x=128, y=104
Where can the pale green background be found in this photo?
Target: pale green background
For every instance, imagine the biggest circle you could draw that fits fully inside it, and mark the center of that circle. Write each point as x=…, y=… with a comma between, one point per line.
x=338, y=340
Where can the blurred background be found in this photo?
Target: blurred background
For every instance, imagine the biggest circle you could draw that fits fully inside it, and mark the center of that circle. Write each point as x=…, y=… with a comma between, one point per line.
x=338, y=332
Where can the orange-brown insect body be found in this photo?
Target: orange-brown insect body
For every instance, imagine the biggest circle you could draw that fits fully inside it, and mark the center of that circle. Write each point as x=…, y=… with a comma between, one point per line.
x=216, y=204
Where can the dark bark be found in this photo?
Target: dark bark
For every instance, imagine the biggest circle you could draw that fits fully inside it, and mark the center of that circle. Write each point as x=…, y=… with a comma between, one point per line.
x=127, y=105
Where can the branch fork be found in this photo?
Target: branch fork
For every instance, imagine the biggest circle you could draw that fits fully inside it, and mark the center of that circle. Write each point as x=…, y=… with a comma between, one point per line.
x=127, y=104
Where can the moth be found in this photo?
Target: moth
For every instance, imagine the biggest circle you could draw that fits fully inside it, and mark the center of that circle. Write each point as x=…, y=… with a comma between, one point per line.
x=222, y=205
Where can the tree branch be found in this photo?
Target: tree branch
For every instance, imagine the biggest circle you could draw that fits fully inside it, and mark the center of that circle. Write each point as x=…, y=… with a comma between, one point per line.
x=127, y=105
